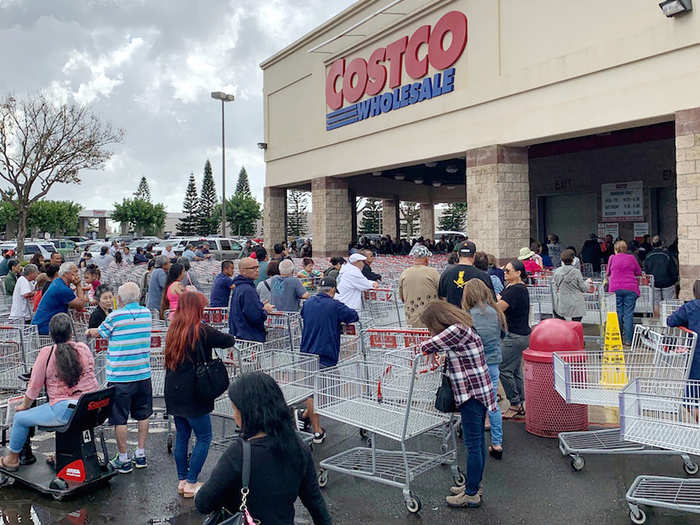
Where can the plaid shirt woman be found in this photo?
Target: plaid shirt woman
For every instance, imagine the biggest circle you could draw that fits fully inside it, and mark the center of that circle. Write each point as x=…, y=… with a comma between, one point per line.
x=469, y=377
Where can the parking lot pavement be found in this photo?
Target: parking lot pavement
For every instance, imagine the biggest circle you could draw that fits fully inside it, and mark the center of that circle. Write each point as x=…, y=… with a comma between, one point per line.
x=533, y=484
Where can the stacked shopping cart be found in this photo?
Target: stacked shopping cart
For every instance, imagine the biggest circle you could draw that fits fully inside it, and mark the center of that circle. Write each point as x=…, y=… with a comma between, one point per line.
x=662, y=413
x=595, y=377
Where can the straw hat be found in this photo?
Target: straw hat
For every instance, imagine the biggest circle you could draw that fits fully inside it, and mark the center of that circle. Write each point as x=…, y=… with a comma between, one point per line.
x=525, y=253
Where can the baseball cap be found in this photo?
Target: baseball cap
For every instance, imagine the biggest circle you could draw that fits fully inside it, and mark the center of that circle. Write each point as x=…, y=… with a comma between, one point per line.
x=328, y=282
x=466, y=249
x=357, y=257
x=421, y=251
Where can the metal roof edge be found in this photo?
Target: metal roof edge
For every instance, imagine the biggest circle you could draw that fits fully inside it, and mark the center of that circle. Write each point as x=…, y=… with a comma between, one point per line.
x=326, y=26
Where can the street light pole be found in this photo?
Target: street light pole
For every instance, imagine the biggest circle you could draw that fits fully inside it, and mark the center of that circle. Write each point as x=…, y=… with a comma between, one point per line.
x=223, y=97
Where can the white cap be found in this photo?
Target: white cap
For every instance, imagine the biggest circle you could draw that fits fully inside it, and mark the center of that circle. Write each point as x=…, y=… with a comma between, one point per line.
x=357, y=257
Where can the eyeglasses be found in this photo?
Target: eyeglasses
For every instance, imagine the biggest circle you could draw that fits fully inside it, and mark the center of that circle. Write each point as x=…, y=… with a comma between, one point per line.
x=507, y=270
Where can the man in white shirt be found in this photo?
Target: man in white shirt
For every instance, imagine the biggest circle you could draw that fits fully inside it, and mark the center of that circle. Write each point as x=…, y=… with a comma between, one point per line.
x=169, y=252
x=351, y=282
x=22, y=296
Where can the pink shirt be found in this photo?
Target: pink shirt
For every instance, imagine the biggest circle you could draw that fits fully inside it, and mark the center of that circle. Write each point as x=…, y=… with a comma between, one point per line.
x=622, y=271
x=531, y=266
x=173, y=299
x=57, y=389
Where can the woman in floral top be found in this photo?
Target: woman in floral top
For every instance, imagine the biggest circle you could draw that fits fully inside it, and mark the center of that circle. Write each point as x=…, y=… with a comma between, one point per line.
x=468, y=373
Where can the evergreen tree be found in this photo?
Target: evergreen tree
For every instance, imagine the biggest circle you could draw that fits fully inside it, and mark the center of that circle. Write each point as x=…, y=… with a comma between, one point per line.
x=188, y=224
x=453, y=217
x=242, y=186
x=297, y=203
x=241, y=212
x=410, y=218
x=143, y=192
x=206, y=212
x=371, y=216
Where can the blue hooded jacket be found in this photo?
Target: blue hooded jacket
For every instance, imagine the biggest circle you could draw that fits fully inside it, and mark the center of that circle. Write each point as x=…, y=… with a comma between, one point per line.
x=688, y=316
x=321, y=317
x=246, y=318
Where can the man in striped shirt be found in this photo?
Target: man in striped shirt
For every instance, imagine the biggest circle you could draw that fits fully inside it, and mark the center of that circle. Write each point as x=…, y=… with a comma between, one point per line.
x=128, y=331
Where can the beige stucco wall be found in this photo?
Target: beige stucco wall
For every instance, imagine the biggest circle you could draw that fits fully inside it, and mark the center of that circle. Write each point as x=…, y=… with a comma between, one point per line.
x=531, y=71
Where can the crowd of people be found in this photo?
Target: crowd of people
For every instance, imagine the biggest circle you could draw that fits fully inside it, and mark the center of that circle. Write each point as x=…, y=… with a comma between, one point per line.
x=476, y=311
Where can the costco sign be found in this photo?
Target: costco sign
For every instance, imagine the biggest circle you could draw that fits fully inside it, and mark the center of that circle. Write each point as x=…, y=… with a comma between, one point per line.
x=369, y=77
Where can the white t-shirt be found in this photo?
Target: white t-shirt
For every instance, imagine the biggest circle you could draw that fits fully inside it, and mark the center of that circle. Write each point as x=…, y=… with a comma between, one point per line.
x=22, y=306
x=351, y=284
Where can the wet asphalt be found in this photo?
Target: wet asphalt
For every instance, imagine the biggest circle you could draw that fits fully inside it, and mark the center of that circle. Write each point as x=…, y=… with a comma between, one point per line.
x=533, y=484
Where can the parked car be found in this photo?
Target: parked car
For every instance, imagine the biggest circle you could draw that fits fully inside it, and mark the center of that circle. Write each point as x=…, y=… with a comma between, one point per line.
x=220, y=248
x=455, y=237
x=30, y=248
x=65, y=246
x=142, y=243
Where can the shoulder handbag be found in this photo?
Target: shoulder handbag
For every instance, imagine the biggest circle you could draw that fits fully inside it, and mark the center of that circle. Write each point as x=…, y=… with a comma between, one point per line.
x=210, y=376
x=242, y=517
x=444, y=397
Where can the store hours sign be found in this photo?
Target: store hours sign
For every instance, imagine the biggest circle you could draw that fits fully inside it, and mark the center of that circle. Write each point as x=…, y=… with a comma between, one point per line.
x=362, y=82
x=623, y=201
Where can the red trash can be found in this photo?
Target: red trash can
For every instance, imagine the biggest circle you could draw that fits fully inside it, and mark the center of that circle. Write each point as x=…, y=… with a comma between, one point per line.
x=546, y=413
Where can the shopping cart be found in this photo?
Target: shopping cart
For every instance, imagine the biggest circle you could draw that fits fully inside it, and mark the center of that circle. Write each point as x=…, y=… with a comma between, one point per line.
x=284, y=325
x=645, y=301
x=596, y=378
x=662, y=413
x=667, y=307
x=376, y=342
x=350, y=342
x=26, y=336
x=216, y=317
x=394, y=399
x=541, y=294
x=383, y=306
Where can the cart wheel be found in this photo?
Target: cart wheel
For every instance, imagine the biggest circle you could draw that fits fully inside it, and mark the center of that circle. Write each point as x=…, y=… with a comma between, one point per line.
x=691, y=468
x=413, y=504
x=577, y=463
x=170, y=444
x=364, y=433
x=322, y=478
x=459, y=479
x=639, y=517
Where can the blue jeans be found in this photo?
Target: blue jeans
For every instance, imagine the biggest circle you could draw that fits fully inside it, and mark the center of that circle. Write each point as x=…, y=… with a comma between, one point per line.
x=46, y=414
x=183, y=429
x=625, y=301
x=473, y=418
x=495, y=417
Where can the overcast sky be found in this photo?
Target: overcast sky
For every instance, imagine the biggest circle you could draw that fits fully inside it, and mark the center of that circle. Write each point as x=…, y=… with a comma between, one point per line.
x=148, y=66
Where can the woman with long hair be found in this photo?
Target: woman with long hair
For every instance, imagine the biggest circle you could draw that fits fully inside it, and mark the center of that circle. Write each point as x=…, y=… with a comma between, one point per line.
x=490, y=323
x=66, y=370
x=514, y=302
x=282, y=466
x=172, y=290
x=466, y=369
x=622, y=273
x=188, y=342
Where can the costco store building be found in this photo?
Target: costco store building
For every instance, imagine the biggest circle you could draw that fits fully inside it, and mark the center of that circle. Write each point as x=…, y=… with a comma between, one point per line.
x=546, y=116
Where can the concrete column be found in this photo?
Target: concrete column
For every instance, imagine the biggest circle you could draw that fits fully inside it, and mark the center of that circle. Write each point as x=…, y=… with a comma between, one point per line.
x=427, y=220
x=390, y=218
x=687, y=182
x=102, y=227
x=82, y=226
x=352, y=195
x=332, y=216
x=124, y=227
x=275, y=217
x=498, y=200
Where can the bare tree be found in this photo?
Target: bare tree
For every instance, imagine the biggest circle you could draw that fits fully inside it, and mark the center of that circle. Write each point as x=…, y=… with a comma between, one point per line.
x=42, y=143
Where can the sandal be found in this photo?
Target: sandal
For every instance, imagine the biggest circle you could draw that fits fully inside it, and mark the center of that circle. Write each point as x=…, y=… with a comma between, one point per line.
x=495, y=453
x=7, y=467
x=514, y=413
x=181, y=487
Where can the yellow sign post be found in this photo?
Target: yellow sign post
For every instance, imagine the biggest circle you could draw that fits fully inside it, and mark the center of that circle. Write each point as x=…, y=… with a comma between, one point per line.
x=614, y=373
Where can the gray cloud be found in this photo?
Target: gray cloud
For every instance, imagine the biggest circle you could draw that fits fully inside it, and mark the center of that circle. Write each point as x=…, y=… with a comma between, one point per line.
x=148, y=66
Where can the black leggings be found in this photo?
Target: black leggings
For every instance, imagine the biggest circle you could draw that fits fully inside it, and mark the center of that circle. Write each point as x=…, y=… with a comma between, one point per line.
x=577, y=319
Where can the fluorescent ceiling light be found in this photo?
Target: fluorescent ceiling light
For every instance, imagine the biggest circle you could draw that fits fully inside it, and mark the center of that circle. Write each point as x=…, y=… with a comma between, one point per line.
x=437, y=184
x=399, y=177
x=430, y=164
x=376, y=174
x=451, y=169
x=418, y=181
